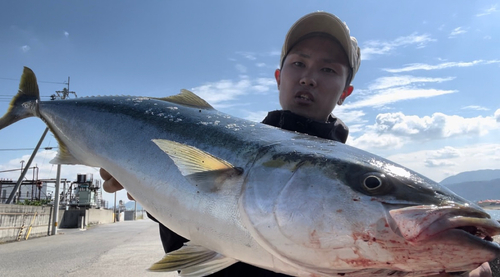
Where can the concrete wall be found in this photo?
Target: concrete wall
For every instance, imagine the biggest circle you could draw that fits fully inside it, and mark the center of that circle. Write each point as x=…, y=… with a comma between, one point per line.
x=13, y=217
x=71, y=218
x=129, y=215
x=96, y=216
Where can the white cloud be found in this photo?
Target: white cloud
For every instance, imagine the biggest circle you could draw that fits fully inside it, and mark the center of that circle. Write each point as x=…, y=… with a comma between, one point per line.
x=467, y=158
x=438, y=163
x=474, y=107
x=220, y=92
x=376, y=47
x=260, y=64
x=488, y=11
x=370, y=140
x=394, y=130
x=48, y=171
x=264, y=84
x=457, y=31
x=355, y=128
x=436, y=126
x=421, y=66
x=395, y=81
x=223, y=90
x=247, y=55
x=257, y=116
x=442, y=157
x=392, y=95
x=349, y=116
x=241, y=68
x=66, y=34
x=445, y=153
x=25, y=48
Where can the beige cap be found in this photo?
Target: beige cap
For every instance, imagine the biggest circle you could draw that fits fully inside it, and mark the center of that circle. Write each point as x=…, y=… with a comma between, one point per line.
x=323, y=22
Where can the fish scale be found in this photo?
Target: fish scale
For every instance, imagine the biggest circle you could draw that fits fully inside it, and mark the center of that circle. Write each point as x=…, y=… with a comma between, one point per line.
x=245, y=191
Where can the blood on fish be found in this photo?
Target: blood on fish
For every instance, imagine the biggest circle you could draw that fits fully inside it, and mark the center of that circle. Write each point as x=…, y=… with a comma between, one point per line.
x=314, y=239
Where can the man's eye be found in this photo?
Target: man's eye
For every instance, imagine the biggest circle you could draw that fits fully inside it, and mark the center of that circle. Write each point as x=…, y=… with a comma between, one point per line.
x=298, y=64
x=329, y=70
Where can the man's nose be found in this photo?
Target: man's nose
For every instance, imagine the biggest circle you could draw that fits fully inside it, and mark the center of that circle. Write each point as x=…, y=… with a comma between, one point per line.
x=308, y=80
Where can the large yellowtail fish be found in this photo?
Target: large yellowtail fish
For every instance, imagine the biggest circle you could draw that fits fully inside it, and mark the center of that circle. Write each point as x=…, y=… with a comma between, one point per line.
x=279, y=200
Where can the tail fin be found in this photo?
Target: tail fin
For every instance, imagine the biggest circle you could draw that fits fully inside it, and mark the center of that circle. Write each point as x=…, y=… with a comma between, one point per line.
x=25, y=103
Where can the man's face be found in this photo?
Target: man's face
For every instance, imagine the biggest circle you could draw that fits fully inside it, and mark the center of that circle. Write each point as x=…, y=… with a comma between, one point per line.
x=313, y=78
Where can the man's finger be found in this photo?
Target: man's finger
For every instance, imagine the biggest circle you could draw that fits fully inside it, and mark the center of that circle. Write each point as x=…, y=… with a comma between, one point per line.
x=483, y=271
x=104, y=174
x=111, y=185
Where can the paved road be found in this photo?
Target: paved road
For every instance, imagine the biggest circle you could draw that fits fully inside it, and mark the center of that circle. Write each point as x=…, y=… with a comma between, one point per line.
x=121, y=249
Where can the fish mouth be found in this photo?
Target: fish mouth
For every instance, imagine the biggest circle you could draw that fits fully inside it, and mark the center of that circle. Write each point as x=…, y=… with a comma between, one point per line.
x=482, y=228
x=428, y=223
x=473, y=232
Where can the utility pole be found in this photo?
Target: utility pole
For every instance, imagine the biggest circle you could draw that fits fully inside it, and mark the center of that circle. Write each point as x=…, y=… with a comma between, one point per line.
x=114, y=210
x=135, y=210
x=56, y=201
x=58, y=178
x=26, y=168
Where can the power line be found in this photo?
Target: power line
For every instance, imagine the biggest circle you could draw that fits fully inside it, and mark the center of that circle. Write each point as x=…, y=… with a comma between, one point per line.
x=47, y=82
x=25, y=149
x=8, y=98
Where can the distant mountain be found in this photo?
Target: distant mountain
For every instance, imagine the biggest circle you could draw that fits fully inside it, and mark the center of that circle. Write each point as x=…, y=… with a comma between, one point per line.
x=475, y=185
x=478, y=190
x=129, y=206
x=472, y=176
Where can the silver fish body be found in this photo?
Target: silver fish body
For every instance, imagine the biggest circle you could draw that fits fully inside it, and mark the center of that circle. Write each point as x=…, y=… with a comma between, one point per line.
x=245, y=191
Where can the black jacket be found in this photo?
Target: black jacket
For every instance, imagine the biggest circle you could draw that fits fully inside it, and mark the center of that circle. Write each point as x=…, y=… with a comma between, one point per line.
x=334, y=129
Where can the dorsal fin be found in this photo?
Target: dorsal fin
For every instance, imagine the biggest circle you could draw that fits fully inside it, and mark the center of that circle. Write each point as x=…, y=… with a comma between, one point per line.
x=188, y=98
x=28, y=85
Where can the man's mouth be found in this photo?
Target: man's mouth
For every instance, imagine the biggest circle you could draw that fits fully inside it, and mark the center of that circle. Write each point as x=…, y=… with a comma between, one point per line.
x=304, y=96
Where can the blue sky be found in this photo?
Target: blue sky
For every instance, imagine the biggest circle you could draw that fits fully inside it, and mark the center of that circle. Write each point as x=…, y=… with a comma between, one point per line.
x=426, y=95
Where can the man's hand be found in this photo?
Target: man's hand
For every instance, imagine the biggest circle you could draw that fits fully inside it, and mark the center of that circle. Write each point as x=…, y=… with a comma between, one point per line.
x=482, y=271
x=111, y=184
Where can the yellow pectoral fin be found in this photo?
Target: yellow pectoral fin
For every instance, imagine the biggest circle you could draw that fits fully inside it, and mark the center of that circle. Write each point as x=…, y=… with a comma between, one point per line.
x=201, y=168
x=191, y=160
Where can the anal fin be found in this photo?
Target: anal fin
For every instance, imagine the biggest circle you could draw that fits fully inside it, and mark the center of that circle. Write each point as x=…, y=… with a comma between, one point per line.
x=193, y=261
x=64, y=156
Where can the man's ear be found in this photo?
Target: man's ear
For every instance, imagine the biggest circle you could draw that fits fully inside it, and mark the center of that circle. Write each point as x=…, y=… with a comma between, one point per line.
x=277, y=76
x=347, y=91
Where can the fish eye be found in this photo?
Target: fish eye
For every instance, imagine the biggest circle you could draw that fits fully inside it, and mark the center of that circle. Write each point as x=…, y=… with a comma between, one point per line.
x=376, y=183
x=372, y=182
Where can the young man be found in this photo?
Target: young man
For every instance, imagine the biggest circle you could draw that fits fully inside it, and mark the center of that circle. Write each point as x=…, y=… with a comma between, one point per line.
x=319, y=60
